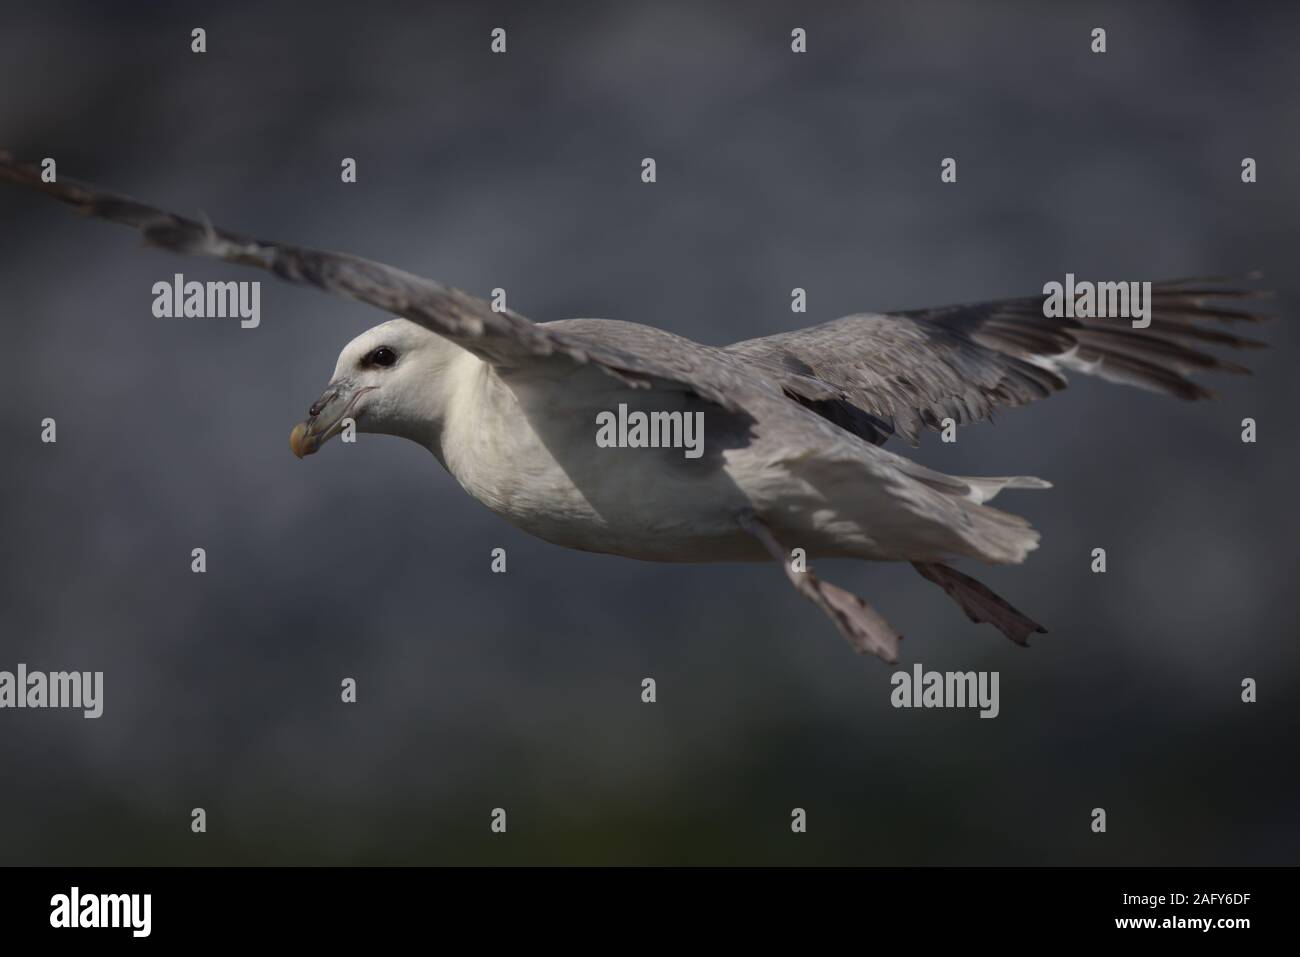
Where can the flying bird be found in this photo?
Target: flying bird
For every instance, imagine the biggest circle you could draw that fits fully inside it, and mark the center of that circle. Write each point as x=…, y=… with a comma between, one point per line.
x=793, y=465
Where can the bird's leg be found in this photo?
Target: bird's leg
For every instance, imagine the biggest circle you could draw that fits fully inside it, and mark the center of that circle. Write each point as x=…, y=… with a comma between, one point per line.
x=979, y=603
x=857, y=621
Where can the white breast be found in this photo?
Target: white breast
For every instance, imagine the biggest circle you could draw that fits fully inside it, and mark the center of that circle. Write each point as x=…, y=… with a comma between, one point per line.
x=526, y=448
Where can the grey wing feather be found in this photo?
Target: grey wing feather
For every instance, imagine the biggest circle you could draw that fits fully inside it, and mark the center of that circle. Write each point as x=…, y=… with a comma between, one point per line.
x=910, y=370
x=502, y=338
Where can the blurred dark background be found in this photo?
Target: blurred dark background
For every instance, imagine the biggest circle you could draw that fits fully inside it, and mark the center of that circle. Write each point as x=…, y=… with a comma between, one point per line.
x=522, y=690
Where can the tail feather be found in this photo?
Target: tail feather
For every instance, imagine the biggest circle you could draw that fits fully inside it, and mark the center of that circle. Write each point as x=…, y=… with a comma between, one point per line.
x=995, y=536
x=969, y=527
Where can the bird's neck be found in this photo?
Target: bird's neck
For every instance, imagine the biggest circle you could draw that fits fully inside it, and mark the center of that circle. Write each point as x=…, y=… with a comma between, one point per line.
x=453, y=391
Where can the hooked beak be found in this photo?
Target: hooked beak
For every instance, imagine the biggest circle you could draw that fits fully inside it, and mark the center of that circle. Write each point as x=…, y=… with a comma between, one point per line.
x=326, y=416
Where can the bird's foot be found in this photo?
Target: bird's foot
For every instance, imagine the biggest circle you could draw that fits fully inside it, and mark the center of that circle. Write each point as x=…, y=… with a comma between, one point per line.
x=979, y=602
x=859, y=623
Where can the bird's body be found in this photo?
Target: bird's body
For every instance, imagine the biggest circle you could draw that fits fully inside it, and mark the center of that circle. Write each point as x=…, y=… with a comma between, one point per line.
x=523, y=443
x=791, y=466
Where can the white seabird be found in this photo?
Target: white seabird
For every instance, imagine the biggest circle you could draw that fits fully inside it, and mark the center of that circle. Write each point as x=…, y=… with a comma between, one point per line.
x=794, y=422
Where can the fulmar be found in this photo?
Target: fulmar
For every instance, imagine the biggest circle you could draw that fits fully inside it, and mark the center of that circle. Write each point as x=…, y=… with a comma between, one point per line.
x=792, y=467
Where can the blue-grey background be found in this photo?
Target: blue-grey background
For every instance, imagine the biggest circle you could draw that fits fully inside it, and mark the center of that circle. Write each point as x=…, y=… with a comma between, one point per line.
x=521, y=690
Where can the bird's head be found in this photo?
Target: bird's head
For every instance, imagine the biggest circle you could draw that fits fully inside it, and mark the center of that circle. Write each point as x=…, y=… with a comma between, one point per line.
x=386, y=381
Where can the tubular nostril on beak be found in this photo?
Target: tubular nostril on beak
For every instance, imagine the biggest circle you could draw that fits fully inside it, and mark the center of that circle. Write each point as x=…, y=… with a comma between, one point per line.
x=321, y=403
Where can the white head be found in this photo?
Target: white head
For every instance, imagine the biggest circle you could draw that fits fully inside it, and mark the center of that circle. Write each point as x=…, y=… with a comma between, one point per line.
x=387, y=380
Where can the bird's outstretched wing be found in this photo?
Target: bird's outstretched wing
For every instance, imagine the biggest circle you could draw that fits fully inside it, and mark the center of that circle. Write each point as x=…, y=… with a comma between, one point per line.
x=903, y=371
x=871, y=374
x=503, y=338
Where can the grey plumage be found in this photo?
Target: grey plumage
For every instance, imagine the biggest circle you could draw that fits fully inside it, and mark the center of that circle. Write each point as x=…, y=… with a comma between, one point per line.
x=910, y=370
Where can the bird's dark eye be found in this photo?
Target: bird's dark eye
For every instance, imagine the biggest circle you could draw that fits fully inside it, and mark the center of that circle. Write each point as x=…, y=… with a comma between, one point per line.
x=383, y=356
